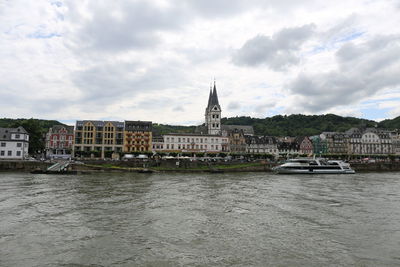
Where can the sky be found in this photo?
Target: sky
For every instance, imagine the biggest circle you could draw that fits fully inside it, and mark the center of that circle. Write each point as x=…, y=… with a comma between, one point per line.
x=156, y=59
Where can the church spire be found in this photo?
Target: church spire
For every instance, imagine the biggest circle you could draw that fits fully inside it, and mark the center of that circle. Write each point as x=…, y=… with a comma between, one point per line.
x=214, y=100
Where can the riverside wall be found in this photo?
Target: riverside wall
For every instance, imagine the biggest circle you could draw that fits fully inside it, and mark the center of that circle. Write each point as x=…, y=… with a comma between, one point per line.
x=23, y=166
x=183, y=165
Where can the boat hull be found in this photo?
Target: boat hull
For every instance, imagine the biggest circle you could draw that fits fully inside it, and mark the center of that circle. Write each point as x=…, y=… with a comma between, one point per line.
x=312, y=171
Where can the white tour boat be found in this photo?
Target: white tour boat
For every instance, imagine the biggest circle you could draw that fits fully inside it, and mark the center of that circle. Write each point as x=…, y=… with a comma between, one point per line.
x=311, y=166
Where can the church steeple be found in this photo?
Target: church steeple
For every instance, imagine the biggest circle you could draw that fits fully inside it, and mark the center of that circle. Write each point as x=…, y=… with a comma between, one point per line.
x=213, y=112
x=213, y=98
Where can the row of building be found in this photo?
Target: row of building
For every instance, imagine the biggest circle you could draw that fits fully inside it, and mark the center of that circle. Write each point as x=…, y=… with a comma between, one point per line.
x=107, y=138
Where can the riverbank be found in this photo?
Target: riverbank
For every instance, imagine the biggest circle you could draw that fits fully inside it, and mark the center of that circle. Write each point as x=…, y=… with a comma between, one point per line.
x=176, y=166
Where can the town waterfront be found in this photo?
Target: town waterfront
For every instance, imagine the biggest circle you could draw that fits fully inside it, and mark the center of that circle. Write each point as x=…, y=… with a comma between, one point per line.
x=200, y=219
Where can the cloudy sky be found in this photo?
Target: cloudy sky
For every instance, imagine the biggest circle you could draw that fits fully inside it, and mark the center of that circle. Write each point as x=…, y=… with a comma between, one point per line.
x=155, y=59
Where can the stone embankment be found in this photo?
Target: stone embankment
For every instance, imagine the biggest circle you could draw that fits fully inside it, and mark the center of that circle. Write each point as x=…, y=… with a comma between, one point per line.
x=23, y=166
x=178, y=166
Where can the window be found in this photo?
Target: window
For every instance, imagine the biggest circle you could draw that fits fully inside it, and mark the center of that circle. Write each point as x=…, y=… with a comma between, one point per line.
x=2, y=153
x=19, y=144
x=17, y=136
x=18, y=153
x=3, y=144
x=9, y=153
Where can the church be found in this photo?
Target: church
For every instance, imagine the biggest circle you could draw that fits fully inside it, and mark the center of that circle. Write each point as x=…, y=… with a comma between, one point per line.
x=211, y=137
x=236, y=134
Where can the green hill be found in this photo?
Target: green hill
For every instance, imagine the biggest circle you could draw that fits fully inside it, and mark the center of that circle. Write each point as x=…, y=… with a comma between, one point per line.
x=390, y=124
x=299, y=125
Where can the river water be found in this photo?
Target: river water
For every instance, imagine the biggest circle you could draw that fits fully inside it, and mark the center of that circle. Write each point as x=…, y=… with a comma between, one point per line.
x=245, y=219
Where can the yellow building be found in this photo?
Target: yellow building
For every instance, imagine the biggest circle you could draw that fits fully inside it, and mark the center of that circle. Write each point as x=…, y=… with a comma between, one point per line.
x=138, y=136
x=98, y=138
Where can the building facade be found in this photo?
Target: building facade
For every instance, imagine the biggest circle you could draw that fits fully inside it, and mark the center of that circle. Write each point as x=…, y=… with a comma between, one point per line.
x=287, y=147
x=305, y=145
x=395, y=136
x=14, y=143
x=319, y=146
x=262, y=145
x=138, y=136
x=158, y=143
x=369, y=141
x=336, y=142
x=194, y=143
x=237, y=141
x=98, y=138
x=59, y=141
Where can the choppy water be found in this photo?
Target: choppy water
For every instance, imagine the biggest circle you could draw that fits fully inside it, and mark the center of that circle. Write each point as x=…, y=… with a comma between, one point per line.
x=250, y=219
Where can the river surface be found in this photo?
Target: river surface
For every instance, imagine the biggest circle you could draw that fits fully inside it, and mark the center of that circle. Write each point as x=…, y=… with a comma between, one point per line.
x=245, y=219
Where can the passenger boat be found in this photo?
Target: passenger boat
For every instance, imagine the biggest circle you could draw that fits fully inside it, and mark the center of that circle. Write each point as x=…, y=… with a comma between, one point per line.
x=314, y=166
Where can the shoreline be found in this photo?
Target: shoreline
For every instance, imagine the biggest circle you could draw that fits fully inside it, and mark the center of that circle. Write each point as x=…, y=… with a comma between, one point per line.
x=172, y=166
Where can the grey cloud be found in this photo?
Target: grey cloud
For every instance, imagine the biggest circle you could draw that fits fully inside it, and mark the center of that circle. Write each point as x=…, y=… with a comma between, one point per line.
x=233, y=105
x=132, y=25
x=107, y=84
x=123, y=25
x=277, y=52
x=363, y=70
x=178, y=109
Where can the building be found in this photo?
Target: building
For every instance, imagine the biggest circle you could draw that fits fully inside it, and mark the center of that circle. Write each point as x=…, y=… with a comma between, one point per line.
x=213, y=113
x=261, y=145
x=336, y=142
x=138, y=136
x=369, y=141
x=98, y=138
x=59, y=141
x=395, y=136
x=247, y=129
x=201, y=143
x=14, y=143
x=305, y=145
x=287, y=147
x=237, y=141
x=158, y=143
x=319, y=145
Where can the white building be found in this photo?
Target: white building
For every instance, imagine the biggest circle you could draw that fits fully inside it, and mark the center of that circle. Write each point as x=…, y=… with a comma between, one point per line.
x=202, y=143
x=370, y=141
x=14, y=143
x=395, y=136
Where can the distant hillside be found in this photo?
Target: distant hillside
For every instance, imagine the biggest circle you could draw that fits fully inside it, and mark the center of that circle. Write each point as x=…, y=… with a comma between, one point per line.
x=160, y=129
x=292, y=125
x=299, y=125
x=390, y=124
x=35, y=127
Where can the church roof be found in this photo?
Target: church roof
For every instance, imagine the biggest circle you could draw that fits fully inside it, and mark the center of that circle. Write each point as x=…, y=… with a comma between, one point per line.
x=213, y=98
x=247, y=129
